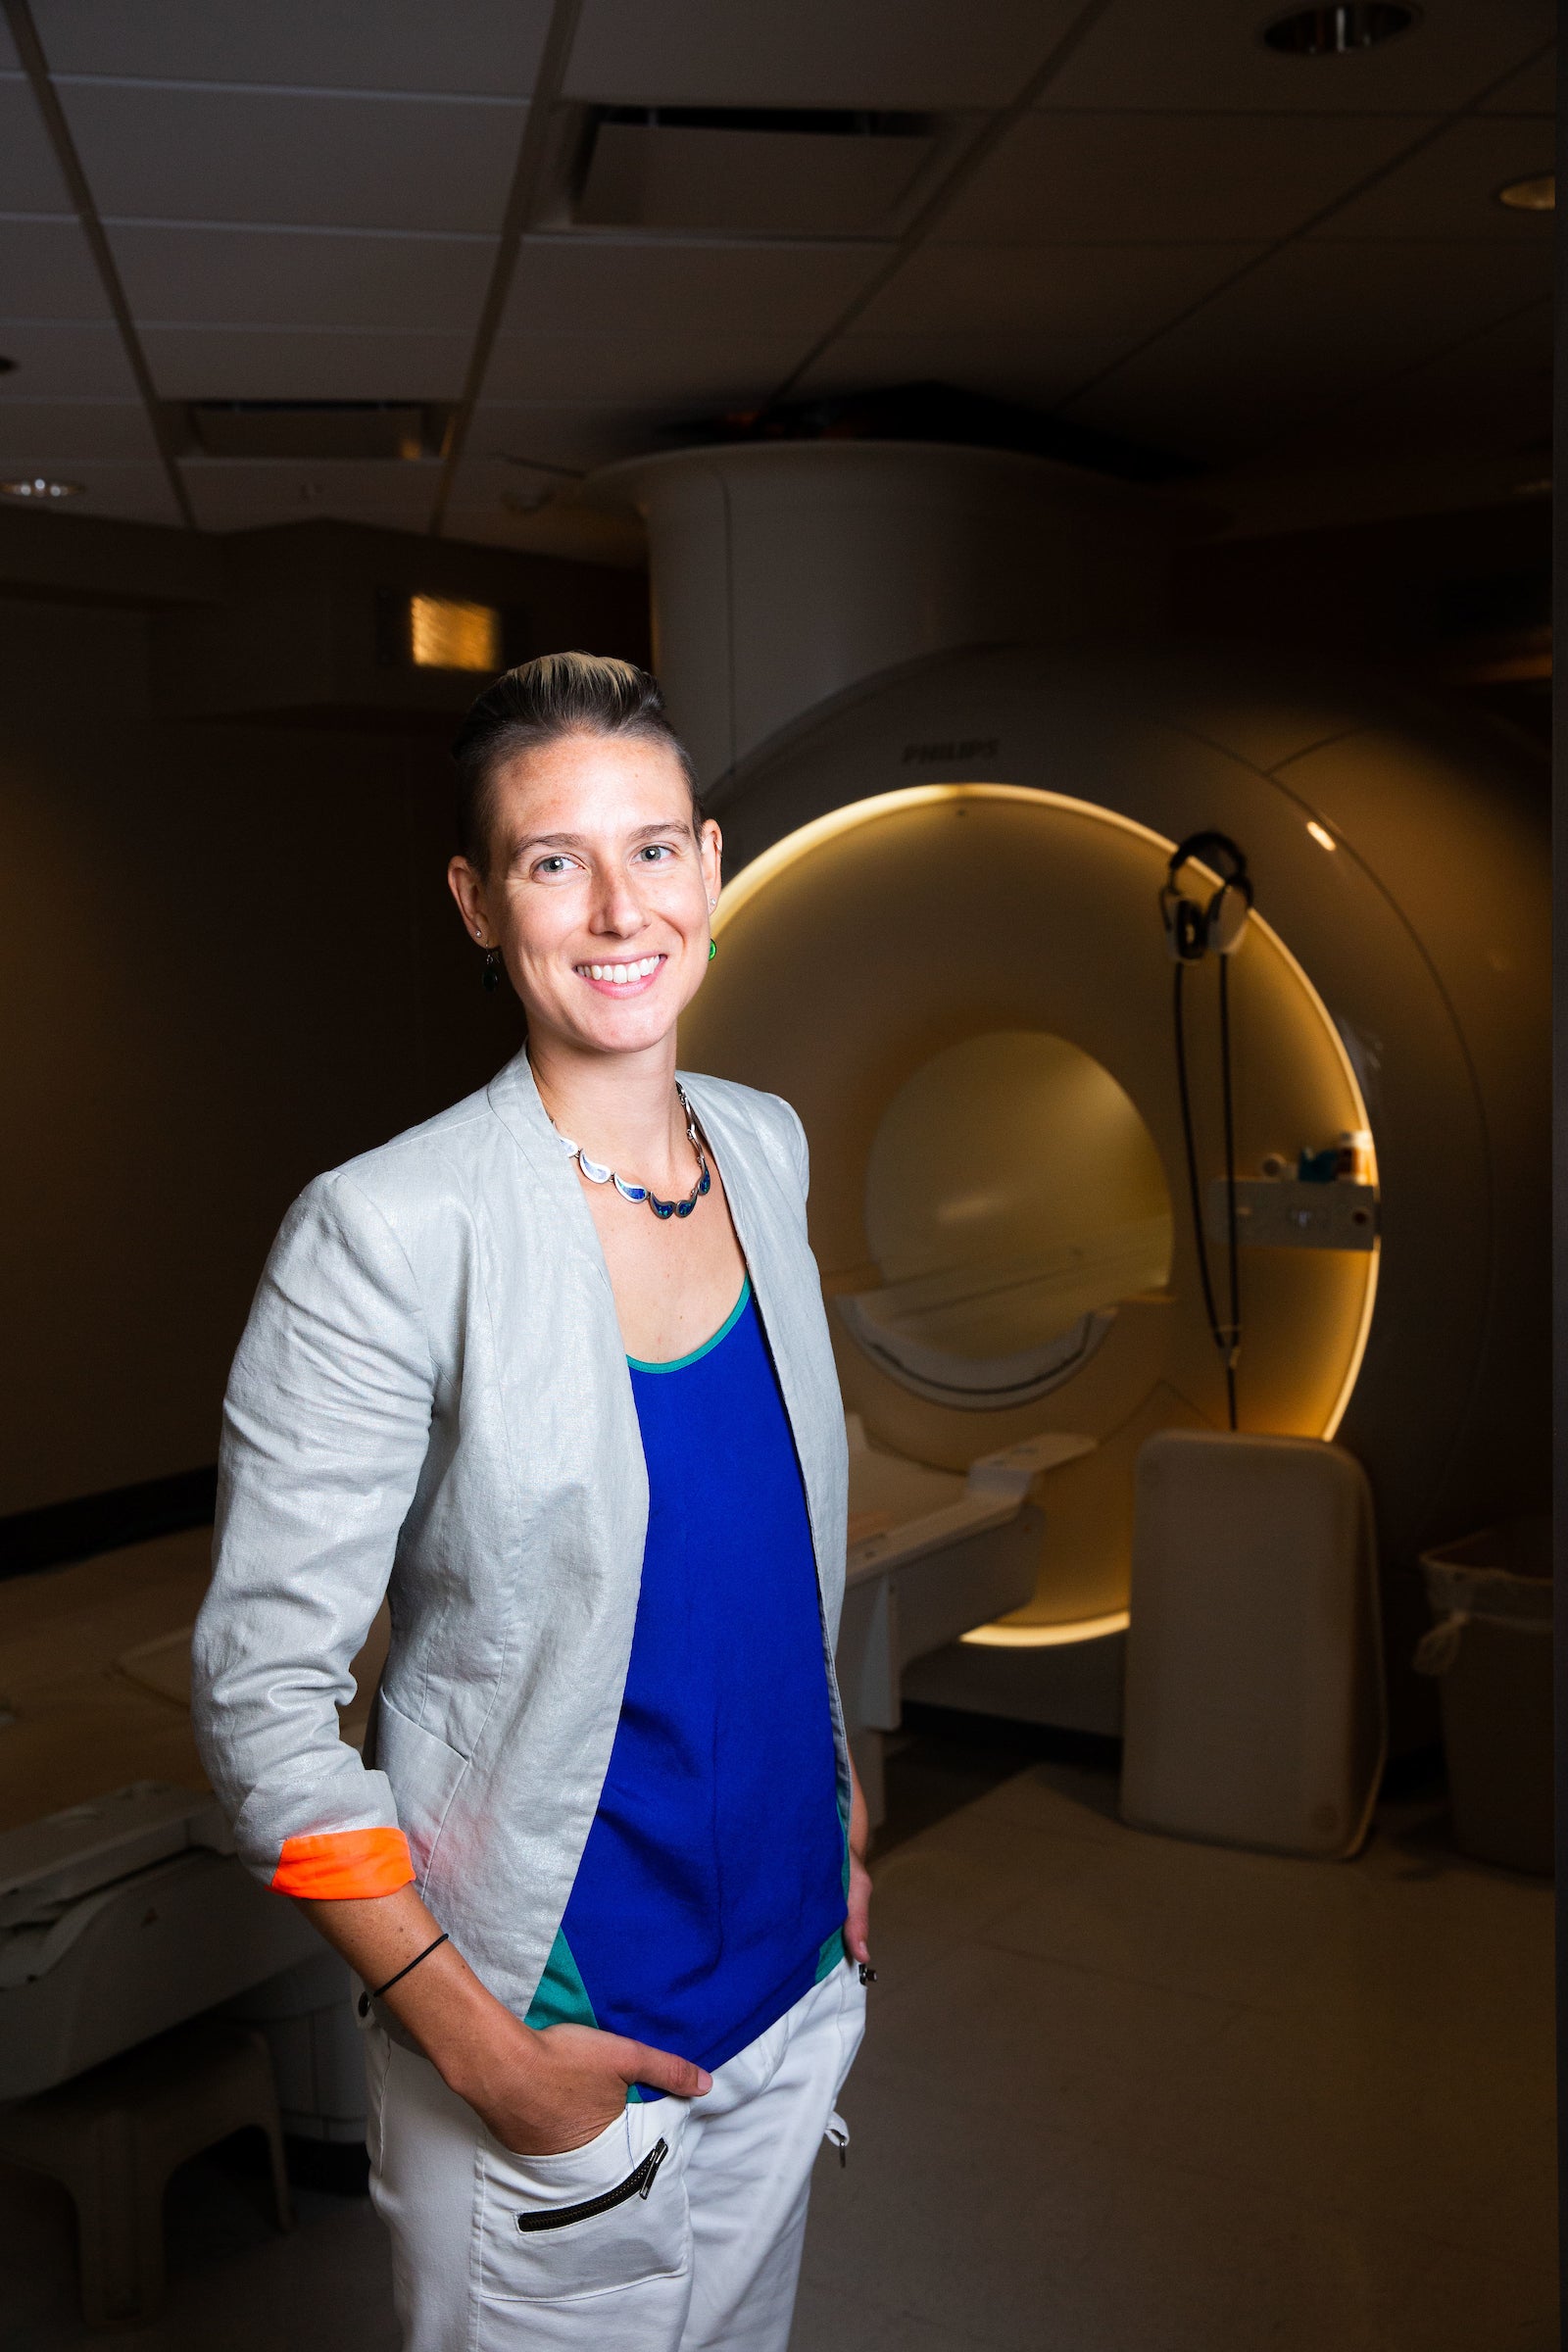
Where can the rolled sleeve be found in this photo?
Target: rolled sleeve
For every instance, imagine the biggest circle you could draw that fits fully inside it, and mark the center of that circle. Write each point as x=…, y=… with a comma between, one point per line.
x=325, y=1428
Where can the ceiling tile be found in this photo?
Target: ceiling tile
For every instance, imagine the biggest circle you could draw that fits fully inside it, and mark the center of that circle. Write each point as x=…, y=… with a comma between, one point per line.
x=1450, y=189
x=237, y=497
x=47, y=272
x=475, y=45
x=29, y=177
x=572, y=285
x=1316, y=324
x=122, y=493
x=269, y=155
x=708, y=370
x=1114, y=292
x=57, y=360
x=1168, y=178
x=873, y=53
x=251, y=363
x=1155, y=54
x=1533, y=90
x=297, y=277
x=1490, y=394
x=51, y=433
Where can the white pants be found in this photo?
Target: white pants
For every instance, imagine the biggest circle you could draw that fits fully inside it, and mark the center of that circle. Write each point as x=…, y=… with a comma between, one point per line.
x=698, y=2255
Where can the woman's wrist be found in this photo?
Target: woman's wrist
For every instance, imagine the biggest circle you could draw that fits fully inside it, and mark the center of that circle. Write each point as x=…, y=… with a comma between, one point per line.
x=464, y=2030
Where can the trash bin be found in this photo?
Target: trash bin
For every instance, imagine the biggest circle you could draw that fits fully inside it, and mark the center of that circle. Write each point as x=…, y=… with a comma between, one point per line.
x=1489, y=1650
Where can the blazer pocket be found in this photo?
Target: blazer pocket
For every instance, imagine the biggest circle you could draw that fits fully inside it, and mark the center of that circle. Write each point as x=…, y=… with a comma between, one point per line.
x=423, y=1772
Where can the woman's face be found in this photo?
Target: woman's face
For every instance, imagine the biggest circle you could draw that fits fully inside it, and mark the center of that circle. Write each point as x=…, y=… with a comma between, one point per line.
x=598, y=890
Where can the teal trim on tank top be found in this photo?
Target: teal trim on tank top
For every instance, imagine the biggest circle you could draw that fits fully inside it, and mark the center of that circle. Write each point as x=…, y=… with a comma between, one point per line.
x=835, y=1949
x=561, y=1998
x=678, y=1363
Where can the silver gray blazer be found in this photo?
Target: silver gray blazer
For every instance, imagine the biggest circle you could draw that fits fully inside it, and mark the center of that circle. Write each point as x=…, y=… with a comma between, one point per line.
x=431, y=1402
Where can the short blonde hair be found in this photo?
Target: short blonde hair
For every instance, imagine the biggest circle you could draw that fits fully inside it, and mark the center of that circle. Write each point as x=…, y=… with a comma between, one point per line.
x=555, y=695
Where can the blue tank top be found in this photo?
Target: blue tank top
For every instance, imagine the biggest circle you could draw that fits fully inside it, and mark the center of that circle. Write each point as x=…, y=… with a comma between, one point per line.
x=710, y=1892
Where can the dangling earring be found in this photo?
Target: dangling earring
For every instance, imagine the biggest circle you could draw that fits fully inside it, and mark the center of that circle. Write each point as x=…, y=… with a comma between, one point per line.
x=492, y=971
x=712, y=949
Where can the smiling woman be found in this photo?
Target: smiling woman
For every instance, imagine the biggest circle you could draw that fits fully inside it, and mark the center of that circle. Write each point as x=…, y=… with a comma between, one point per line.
x=604, y=1882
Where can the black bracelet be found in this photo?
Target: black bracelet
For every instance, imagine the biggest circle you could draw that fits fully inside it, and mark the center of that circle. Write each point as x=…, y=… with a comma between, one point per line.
x=366, y=1998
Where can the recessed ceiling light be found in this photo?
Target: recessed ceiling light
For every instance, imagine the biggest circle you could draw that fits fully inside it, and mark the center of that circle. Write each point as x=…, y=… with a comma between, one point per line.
x=1340, y=31
x=38, y=486
x=1537, y=195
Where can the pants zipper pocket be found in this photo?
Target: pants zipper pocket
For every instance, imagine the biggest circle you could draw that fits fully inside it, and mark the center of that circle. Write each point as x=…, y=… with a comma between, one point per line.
x=635, y=2185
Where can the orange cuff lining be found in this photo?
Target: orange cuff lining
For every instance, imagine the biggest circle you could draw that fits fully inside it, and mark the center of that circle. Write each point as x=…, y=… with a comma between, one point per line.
x=338, y=1865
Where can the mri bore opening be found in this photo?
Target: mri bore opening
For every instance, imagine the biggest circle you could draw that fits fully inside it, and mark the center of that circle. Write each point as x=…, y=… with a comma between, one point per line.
x=1014, y=1198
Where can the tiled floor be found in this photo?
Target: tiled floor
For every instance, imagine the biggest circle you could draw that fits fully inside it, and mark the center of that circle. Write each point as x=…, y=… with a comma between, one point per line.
x=1120, y=2094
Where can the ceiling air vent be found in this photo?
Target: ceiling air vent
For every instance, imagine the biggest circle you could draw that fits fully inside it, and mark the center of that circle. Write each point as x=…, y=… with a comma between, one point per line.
x=317, y=429
x=1340, y=31
x=765, y=172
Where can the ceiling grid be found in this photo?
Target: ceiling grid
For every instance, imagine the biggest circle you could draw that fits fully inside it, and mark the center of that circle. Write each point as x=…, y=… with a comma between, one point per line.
x=23, y=35
x=1134, y=218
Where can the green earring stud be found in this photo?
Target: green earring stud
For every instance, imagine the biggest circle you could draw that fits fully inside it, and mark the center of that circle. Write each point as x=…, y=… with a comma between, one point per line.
x=712, y=949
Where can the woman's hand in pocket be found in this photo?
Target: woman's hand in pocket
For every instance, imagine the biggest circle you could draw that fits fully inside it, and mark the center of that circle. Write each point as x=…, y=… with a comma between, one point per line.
x=545, y=2094
x=858, y=1907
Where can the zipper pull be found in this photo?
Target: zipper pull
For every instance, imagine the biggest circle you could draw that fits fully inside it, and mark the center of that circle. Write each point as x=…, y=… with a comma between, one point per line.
x=651, y=2162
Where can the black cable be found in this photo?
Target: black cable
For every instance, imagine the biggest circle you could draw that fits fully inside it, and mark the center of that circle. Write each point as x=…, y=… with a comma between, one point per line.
x=1233, y=1348
x=1216, y=1331
x=1185, y=1092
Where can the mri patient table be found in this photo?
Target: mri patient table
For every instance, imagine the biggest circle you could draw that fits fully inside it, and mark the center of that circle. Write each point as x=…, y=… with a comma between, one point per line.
x=932, y=1555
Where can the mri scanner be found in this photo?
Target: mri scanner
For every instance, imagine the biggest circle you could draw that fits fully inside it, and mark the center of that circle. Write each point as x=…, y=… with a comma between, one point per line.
x=951, y=742
x=939, y=711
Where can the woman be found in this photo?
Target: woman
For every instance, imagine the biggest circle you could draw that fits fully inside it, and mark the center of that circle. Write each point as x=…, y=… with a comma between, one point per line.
x=552, y=1373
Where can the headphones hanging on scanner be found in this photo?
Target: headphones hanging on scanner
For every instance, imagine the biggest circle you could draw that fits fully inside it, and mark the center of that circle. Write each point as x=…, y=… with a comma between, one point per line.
x=1191, y=928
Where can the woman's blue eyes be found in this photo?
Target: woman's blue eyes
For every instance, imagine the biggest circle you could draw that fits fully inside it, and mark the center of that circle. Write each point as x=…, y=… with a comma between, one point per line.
x=655, y=853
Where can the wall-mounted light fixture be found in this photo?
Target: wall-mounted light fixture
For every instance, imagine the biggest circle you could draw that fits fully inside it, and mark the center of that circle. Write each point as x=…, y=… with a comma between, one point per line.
x=1537, y=195
x=438, y=632
x=445, y=633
